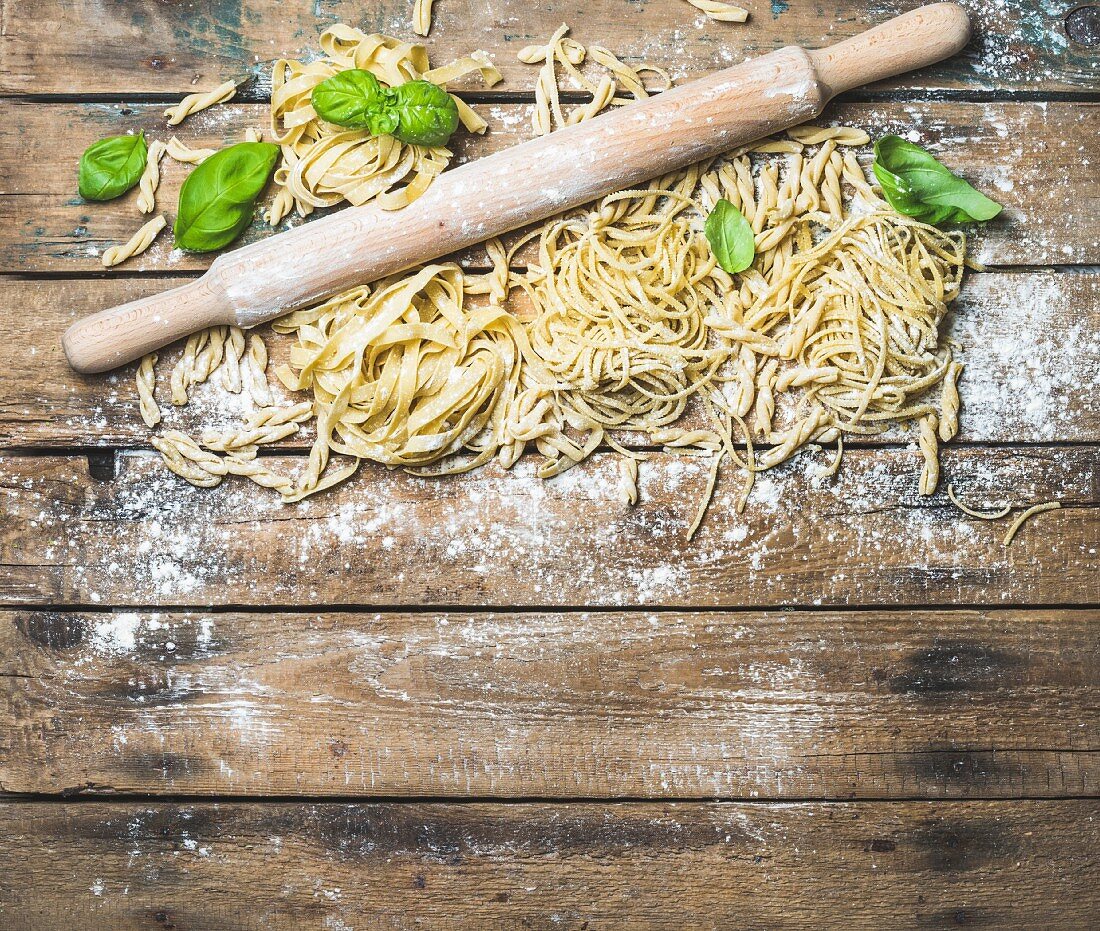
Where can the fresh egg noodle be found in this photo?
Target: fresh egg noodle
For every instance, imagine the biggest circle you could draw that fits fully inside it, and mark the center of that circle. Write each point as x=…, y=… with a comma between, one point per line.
x=622, y=321
x=322, y=164
x=561, y=50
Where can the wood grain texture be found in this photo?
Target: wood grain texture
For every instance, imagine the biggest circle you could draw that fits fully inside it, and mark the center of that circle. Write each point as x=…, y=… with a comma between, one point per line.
x=492, y=538
x=135, y=47
x=750, y=705
x=1030, y=157
x=650, y=866
x=1031, y=352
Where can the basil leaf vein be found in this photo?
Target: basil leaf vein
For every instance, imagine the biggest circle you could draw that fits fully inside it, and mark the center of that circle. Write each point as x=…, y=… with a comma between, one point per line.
x=111, y=166
x=731, y=237
x=355, y=99
x=916, y=184
x=218, y=198
x=427, y=114
x=416, y=112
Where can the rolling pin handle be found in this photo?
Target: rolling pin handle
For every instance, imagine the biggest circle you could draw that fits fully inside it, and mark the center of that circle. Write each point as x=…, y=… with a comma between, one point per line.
x=122, y=334
x=913, y=40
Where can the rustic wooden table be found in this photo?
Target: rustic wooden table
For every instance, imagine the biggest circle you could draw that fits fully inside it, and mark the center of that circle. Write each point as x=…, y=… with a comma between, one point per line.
x=497, y=702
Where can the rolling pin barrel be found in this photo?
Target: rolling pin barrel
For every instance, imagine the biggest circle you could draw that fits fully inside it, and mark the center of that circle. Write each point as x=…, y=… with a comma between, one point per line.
x=524, y=184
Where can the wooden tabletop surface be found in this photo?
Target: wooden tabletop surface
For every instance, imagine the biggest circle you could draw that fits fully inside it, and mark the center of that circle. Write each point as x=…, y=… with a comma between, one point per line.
x=500, y=702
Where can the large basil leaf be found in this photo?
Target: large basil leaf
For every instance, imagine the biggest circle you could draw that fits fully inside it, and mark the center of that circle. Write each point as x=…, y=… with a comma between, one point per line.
x=355, y=99
x=730, y=236
x=218, y=197
x=427, y=115
x=112, y=166
x=917, y=185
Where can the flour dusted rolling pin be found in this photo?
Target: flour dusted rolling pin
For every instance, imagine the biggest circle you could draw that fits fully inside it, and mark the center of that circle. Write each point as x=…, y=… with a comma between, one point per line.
x=526, y=183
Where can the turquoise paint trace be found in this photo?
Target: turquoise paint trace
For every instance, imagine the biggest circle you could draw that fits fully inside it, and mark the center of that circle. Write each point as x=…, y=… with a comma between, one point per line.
x=779, y=7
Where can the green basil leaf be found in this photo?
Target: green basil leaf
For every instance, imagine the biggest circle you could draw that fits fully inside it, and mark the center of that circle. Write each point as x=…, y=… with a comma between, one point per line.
x=355, y=99
x=427, y=114
x=730, y=236
x=218, y=198
x=916, y=184
x=110, y=167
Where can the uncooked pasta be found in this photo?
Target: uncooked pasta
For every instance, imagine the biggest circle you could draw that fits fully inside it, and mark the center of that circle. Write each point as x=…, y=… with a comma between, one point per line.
x=622, y=321
x=150, y=178
x=949, y=402
x=722, y=12
x=930, y=449
x=146, y=388
x=178, y=151
x=136, y=244
x=628, y=480
x=562, y=50
x=808, y=134
x=323, y=164
x=422, y=17
x=193, y=103
x=983, y=515
x=1026, y=515
x=402, y=374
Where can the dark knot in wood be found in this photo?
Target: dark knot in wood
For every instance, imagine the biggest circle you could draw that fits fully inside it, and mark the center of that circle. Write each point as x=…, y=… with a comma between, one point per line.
x=1083, y=25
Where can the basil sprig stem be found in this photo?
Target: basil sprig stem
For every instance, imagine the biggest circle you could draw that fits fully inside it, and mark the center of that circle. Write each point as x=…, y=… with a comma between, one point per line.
x=218, y=198
x=111, y=166
x=416, y=112
x=916, y=184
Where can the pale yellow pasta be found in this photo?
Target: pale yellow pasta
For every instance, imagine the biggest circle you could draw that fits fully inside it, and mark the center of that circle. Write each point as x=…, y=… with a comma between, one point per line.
x=322, y=164
x=422, y=17
x=560, y=50
x=621, y=319
x=949, y=402
x=983, y=515
x=193, y=103
x=146, y=386
x=929, y=447
x=1026, y=515
x=135, y=245
x=178, y=151
x=150, y=178
x=722, y=12
x=628, y=480
x=808, y=134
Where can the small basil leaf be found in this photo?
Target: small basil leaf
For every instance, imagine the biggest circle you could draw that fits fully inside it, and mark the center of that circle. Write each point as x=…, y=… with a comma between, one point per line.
x=110, y=167
x=916, y=184
x=383, y=122
x=218, y=197
x=427, y=115
x=352, y=98
x=730, y=236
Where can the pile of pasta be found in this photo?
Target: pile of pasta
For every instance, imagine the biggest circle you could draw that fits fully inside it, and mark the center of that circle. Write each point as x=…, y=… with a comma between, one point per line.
x=622, y=321
x=322, y=164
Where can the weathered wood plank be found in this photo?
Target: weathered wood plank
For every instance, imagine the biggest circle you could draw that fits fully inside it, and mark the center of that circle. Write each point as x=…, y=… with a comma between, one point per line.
x=492, y=538
x=132, y=47
x=791, y=705
x=1032, y=364
x=650, y=866
x=1031, y=157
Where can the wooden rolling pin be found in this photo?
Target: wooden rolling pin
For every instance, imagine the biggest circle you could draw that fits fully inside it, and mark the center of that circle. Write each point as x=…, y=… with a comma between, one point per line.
x=524, y=184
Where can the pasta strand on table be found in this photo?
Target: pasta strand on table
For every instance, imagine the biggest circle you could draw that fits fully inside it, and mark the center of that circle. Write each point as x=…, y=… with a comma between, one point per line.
x=193, y=103
x=135, y=245
x=178, y=151
x=150, y=178
x=722, y=12
x=422, y=17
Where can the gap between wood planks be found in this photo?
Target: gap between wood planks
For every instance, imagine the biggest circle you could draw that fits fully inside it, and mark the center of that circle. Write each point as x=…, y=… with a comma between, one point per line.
x=75, y=797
